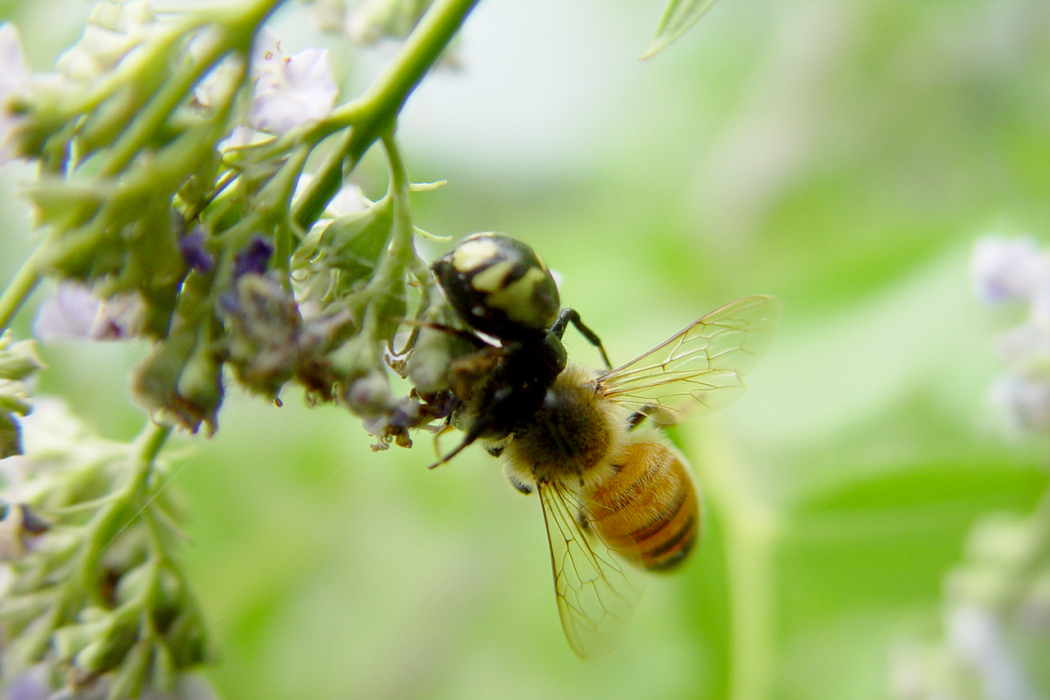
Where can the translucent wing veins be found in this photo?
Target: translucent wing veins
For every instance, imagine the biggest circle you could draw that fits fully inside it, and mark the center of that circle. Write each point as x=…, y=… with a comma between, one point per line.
x=701, y=365
x=594, y=591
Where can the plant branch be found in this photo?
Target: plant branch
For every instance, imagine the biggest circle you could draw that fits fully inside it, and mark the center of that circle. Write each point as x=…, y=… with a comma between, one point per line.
x=375, y=110
x=19, y=289
x=752, y=528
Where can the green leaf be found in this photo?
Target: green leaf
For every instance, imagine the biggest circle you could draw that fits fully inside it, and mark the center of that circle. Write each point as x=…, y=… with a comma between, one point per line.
x=678, y=16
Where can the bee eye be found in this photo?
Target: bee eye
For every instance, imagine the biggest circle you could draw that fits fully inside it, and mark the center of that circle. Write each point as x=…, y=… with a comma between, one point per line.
x=499, y=286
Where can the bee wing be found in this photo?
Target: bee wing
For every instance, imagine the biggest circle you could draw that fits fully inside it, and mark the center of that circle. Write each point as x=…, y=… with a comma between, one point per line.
x=596, y=592
x=700, y=366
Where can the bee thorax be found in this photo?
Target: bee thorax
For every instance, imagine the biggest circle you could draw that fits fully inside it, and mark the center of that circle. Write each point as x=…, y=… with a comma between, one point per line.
x=570, y=435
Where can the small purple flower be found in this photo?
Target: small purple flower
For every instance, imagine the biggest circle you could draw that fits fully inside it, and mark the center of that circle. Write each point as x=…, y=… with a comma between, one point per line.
x=369, y=395
x=1025, y=345
x=1007, y=269
x=74, y=313
x=1024, y=401
x=30, y=684
x=289, y=90
x=976, y=634
x=68, y=315
x=254, y=258
x=193, y=251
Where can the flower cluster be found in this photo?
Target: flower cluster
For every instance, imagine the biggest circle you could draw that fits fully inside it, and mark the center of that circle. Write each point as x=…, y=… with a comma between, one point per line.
x=1016, y=271
x=997, y=619
x=997, y=602
x=92, y=597
x=174, y=206
x=177, y=208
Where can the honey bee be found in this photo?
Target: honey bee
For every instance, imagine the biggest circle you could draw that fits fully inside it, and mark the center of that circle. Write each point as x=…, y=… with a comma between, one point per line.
x=611, y=487
x=607, y=483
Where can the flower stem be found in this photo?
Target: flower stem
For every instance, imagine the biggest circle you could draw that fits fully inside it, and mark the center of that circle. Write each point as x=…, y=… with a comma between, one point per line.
x=375, y=110
x=118, y=514
x=19, y=289
x=401, y=251
x=752, y=528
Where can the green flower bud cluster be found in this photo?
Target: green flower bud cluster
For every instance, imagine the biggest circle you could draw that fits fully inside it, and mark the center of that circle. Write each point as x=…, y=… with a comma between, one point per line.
x=379, y=19
x=18, y=361
x=92, y=588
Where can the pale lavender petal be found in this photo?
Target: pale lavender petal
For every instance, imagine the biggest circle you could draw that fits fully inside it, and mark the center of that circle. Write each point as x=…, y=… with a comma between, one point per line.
x=1006, y=269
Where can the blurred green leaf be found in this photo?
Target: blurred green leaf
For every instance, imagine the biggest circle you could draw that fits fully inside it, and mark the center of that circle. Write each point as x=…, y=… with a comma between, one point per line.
x=678, y=17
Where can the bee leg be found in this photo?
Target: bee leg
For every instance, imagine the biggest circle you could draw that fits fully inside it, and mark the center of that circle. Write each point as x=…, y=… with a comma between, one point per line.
x=635, y=420
x=437, y=442
x=517, y=483
x=567, y=316
x=475, y=432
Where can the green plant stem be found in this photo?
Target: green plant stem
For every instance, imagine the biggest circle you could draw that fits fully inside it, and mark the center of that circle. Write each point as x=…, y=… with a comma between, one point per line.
x=401, y=252
x=752, y=529
x=129, y=503
x=385, y=290
x=375, y=110
x=19, y=289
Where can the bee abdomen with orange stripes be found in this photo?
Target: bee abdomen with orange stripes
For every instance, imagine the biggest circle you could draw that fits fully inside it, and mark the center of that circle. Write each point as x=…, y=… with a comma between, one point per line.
x=647, y=509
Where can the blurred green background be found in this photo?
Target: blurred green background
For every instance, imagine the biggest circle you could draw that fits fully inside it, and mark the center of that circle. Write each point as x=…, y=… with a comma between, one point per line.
x=840, y=155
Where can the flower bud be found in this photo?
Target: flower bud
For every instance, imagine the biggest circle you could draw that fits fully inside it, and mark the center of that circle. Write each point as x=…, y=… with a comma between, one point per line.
x=133, y=583
x=369, y=395
x=194, y=253
x=186, y=640
x=14, y=77
x=132, y=673
x=118, y=636
x=199, y=387
x=10, y=436
x=347, y=249
x=163, y=673
x=378, y=19
x=157, y=382
x=262, y=339
x=68, y=641
x=17, y=611
x=17, y=362
x=253, y=258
